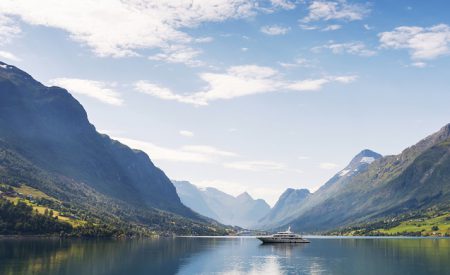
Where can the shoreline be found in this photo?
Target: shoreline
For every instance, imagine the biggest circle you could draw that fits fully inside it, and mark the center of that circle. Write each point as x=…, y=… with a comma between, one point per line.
x=57, y=237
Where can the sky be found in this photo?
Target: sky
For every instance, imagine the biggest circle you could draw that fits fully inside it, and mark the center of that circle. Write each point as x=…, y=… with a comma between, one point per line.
x=243, y=95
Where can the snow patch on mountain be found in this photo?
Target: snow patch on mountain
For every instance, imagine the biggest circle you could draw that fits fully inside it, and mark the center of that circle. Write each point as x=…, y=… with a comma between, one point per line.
x=344, y=172
x=368, y=160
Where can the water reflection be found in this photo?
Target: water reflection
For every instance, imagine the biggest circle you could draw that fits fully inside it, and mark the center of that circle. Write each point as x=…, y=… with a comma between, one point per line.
x=225, y=256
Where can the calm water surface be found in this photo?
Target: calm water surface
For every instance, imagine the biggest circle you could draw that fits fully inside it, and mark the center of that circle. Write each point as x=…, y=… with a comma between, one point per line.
x=226, y=256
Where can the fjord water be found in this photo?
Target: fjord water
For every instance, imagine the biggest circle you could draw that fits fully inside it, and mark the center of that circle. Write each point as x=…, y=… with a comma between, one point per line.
x=226, y=256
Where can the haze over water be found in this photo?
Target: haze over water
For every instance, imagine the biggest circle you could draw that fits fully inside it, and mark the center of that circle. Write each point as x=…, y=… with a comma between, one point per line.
x=226, y=256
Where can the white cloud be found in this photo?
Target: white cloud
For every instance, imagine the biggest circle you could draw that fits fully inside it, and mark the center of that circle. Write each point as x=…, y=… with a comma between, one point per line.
x=299, y=62
x=206, y=39
x=156, y=152
x=165, y=93
x=208, y=150
x=356, y=48
x=328, y=165
x=367, y=27
x=274, y=30
x=9, y=56
x=303, y=157
x=178, y=54
x=333, y=27
x=8, y=29
x=256, y=166
x=285, y=4
x=308, y=27
x=419, y=64
x=308, y=84
x=236, y=82
x=122, y=27
x=317, y=84
x=188, y=153
x=335, y=10
x=186, y=133
x=96, y=89
x=422, y=43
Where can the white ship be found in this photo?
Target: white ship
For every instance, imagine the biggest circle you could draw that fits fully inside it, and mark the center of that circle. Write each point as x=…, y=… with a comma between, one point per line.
x=283, y=237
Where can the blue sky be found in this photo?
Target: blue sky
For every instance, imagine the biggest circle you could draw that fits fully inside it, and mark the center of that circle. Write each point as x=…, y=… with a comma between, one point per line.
x=243, y=95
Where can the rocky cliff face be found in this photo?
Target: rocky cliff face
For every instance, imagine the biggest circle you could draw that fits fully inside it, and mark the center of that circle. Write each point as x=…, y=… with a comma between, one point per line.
x=50, y=129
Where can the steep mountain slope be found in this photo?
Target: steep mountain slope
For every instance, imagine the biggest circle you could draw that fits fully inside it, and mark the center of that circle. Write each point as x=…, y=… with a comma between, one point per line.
x=417, y=178
x=242, y=210
x=287, y=204
x=44, y=129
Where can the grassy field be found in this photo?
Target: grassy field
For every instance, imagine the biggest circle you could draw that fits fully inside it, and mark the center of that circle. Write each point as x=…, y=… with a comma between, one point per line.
x=37, y=194
x=422, y=225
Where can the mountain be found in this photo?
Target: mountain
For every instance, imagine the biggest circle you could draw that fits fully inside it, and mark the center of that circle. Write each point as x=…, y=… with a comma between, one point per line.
x=357, y=165
x=286, y=211
x=287, y=204
x=417, y=178
x=192, y=197
x=243, y=210
x=47, y=142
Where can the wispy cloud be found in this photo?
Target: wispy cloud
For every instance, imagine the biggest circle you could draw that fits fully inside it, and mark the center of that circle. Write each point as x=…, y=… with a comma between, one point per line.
x=317, y=84
x=299, y=62
x=239, y=81
x=367, y=27
x=186, y=133
x=335, y=10
x=333, y=27
x=179, y=54
x=256, y=166
x=328, y=165
x=422, y=43
x=208, y=150
x=308, y=27
x=9, y=56
x=206, y=39
x=158, y=91
x=356, y=48
x=188, y=153
x=285, y=4
x=101, y=91
x=8, y=29
x=274, y=30
x=419, y=64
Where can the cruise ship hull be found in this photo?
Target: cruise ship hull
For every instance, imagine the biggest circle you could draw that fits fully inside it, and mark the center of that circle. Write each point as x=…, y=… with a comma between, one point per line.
x=279, y=240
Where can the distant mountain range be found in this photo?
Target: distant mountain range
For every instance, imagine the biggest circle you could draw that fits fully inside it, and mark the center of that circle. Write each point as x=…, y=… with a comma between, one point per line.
x=371, y=187
x=48, y=143
x=243, y=210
